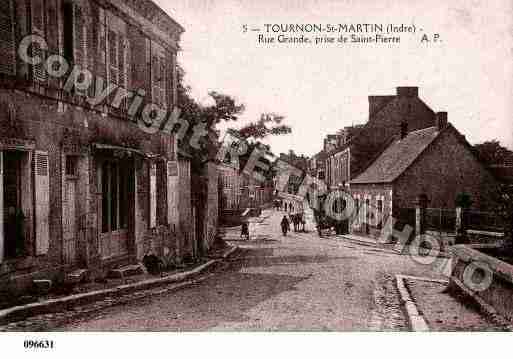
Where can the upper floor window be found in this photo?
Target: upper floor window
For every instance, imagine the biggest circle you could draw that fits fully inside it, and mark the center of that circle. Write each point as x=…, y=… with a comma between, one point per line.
x=37, y=17
x=113, y=52
x=7, y=42
x=159, y=74
x=118, y=51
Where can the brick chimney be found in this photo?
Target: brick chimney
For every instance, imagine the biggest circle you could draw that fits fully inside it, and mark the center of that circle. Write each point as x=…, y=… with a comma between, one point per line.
x=404, y=91
x=441, y=120
x=403, y=130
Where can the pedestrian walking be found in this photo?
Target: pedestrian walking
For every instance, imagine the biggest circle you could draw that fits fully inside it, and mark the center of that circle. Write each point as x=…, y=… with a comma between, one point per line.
x=285, y=225
x=244, y=231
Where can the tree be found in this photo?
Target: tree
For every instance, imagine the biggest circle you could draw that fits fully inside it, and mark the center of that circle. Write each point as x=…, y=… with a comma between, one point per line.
x=225, y=108
x=268, y=124
x=492, y=153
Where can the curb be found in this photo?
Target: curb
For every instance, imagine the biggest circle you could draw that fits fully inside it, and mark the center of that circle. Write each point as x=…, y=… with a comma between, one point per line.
x=21, y=312
x=416, y=320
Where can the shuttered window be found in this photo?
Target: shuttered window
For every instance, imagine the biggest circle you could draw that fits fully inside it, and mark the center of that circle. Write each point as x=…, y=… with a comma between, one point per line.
x=38, y=27
x=81, y=43
x=81, y=37
x=159, y=74
x=172, y=193
x=102, y=45
x=42, y=197
x=7, y=42
x=118, y=59
x=113, y=56
x=121, y=60
x=124, y=65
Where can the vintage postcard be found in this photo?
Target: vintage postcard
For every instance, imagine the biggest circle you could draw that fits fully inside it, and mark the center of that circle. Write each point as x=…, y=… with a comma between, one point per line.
x=255, y=166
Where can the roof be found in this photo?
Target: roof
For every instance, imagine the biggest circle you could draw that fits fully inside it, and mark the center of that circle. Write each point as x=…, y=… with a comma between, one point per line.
x=398, y=157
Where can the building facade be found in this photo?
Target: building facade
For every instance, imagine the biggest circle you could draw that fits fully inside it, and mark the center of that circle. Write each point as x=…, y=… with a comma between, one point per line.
x=435, y=163
x=81, y=184
x=363, y=143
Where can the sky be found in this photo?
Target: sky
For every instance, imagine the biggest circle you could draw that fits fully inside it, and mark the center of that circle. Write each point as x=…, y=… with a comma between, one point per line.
x=322, y=88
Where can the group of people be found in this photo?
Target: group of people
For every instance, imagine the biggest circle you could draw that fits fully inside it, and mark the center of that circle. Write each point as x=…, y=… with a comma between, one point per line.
x=281, y=205
x=297, y=220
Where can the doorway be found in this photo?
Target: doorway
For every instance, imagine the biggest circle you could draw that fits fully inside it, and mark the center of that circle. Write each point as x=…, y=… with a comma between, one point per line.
x=117, y=196
x=13, y=216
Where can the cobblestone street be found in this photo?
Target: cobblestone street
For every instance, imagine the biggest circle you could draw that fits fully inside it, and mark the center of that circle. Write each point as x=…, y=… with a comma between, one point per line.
x=297, y=282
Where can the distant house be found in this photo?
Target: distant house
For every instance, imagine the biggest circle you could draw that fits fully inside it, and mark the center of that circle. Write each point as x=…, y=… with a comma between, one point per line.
x=317, y=165
x=365, y=142
x=230, y=186
x=436, y=162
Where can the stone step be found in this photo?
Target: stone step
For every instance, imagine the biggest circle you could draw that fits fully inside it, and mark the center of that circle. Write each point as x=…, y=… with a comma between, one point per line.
x=126, y=271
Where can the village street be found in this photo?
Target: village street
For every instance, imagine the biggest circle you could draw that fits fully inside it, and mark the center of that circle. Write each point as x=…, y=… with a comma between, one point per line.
x=298, y=282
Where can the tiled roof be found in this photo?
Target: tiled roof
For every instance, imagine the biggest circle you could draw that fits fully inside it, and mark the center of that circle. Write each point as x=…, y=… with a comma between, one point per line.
x=398, y=157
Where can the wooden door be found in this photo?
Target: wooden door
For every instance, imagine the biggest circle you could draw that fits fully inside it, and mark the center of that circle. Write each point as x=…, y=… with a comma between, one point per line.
x=114, y=181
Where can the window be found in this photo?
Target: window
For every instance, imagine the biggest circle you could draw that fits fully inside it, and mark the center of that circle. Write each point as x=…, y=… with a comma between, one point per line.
x=71, y=166
x=7, y=43
x=159, y=74
x=115, y=190
x=38, y=27
x=13, y=214
x=114, y=50
x=380, y=213
x=113, y=56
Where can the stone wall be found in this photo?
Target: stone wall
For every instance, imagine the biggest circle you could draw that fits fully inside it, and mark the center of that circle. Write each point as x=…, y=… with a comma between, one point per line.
x=484, y=278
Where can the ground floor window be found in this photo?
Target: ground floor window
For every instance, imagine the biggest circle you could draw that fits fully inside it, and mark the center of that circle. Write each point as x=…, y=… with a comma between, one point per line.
x=115, y=192
x=380, y=213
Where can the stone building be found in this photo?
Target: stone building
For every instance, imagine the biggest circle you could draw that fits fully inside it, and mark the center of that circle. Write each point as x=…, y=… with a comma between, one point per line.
x=435, y=163
x=230, y=187
x=317, y=165
x=239, y=191
x=366, y=142
x=81, y=184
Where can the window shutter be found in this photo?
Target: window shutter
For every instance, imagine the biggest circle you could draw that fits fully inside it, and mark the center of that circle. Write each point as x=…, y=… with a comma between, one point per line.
x=127, y=64
x=169, y=81
x=52, y=32
x=121, y=60
x=81, y=41
x=37, y=17
x=7, y=43
x=154, y=79
x=172, y=192
x=174, y=84
x=102, y=48
x=113, y=57
x=1, y=207
x=163, y=74
x=42, y=205
x=153, y=195
x=81, y=36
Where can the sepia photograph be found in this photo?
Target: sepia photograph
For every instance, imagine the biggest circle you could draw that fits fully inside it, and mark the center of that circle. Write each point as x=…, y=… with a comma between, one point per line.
x=176, y=167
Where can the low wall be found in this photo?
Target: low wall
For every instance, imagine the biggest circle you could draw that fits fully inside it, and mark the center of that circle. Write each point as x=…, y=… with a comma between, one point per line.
x=485, y=237
x=492, y=286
